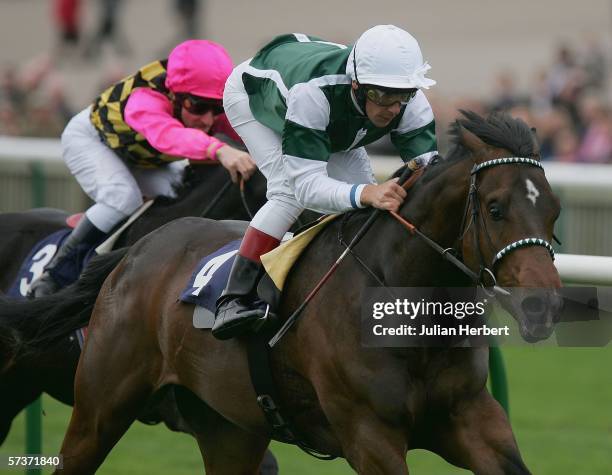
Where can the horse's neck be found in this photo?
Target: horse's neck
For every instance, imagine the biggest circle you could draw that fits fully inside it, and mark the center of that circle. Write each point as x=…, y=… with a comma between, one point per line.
x=436, y=208
x=196, y=196
x=192, y=202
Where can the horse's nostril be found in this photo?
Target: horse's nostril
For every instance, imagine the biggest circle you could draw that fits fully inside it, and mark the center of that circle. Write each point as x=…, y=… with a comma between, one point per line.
x=534, y=308
x=532, y=304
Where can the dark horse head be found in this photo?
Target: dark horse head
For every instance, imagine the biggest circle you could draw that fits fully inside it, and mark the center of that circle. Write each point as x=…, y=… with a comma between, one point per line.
x=505, y=218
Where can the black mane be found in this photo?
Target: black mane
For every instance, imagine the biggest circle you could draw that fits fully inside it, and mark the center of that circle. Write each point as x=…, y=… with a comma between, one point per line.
x=498, y=130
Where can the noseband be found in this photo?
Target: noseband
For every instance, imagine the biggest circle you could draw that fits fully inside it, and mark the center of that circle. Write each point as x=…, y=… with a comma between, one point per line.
x=476, y=218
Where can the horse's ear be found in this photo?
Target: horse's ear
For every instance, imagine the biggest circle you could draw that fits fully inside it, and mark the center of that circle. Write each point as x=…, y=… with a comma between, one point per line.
x=536, y=143
x=472, y=142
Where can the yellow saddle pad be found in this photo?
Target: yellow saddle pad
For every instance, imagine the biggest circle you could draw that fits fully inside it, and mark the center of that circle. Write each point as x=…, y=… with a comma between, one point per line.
x=279, y=261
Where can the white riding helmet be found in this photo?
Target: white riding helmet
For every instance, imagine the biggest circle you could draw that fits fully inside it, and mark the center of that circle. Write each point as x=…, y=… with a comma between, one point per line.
x=389, y=57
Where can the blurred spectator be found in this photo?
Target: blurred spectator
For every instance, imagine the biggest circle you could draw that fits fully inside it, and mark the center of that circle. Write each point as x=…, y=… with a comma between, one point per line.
x=505, y=95
x=596, y=146
x=548, y=125
x=10, y=93
x=595, y=65
x=566, y=81
x=56, y=97
x=565, y=145
x=42, y=119
x=187, y=13
x=33, y=101
x=539, y=97
x=108, y=31
x=9, y=120
x=67, y=18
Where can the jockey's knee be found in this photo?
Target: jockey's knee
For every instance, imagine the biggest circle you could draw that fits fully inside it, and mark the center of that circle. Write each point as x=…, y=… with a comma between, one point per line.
x=277, y=215
x=130, y=202
x=122, y=197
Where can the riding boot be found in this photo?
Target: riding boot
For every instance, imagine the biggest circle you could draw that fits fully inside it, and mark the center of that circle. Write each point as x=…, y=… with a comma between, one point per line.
x=235, y=314
x=85, y=234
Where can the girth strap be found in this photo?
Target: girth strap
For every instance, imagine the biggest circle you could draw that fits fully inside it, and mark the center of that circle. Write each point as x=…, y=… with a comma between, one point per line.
x=258, y=354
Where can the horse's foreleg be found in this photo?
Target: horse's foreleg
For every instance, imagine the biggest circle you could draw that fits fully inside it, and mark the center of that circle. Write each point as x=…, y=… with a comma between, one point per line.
x=479, y=438
x=229, y=450
x=370, y=446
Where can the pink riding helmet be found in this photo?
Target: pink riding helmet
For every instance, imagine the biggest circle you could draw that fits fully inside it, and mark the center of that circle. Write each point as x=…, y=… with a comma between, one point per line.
x=198, y=67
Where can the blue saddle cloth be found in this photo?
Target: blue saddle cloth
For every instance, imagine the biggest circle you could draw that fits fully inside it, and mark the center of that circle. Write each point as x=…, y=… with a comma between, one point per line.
x=210, y=277
x=40, y=255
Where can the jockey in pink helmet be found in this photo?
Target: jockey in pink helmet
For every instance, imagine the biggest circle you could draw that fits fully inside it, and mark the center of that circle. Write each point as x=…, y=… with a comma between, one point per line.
x=135, y=136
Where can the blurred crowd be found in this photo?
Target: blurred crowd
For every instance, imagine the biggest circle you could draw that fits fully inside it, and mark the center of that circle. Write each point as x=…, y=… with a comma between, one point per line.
x=568, y=102
x=73, y=40
x=33, y=100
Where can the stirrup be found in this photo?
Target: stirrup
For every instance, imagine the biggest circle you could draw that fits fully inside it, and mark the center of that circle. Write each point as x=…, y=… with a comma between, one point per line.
x=261, y=321
x=225, y=328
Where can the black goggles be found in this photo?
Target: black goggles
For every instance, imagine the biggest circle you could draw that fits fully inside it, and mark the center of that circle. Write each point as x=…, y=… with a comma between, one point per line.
x=200, y=105
x=389, y=98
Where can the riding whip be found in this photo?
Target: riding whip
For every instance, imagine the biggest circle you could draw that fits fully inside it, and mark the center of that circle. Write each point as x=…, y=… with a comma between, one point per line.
x=410, y=167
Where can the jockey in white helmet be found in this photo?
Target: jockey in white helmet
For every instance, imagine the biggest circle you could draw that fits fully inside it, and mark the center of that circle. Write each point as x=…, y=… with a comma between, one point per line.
x=305, y=108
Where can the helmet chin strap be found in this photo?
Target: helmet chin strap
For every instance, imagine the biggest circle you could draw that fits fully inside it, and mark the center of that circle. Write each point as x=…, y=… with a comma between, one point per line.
x=359, y=93
x=177, y=105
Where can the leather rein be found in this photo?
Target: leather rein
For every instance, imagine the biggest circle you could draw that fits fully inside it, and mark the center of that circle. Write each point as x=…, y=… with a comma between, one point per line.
x=220, y=195
x=473, y=203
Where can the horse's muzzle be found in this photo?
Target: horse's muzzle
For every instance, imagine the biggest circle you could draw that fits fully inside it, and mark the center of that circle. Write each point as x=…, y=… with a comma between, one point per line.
x=536, y=311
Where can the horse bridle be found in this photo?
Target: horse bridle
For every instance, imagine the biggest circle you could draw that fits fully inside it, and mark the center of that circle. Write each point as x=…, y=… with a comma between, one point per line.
x=451, y=254
x=476, y=217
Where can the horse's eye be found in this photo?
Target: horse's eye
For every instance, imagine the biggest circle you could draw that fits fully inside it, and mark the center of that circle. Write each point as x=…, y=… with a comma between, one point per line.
x=495, y=212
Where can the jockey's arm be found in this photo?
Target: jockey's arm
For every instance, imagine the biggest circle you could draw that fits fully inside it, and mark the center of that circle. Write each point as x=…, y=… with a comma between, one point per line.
x=150, y=113
x=306, y=150
x=415, y=135
x=316, y=191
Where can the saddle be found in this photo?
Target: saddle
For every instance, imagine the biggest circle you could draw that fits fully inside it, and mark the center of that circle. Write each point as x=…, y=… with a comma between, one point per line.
x=211, y=274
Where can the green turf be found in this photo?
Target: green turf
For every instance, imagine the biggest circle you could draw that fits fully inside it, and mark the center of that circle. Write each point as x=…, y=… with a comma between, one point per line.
x=561, y=411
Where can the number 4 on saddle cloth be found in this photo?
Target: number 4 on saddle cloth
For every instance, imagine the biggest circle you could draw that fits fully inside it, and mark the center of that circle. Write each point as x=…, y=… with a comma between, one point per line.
x=211, y=274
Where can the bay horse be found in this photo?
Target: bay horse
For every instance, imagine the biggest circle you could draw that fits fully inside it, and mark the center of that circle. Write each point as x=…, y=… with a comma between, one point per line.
x=205, y=190
x=368, y=405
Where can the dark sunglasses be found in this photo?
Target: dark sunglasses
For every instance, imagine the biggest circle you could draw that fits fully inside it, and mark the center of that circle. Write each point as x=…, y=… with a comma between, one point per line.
x=389, y=98
x=201, y=105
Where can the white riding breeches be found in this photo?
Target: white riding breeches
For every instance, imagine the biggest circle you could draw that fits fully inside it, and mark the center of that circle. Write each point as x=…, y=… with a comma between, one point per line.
x=115, y=186
x=265, y=146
